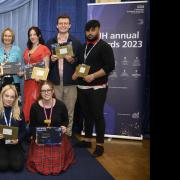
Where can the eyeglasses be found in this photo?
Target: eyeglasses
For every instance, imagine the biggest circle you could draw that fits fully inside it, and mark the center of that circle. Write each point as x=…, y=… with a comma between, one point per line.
x=46, y=91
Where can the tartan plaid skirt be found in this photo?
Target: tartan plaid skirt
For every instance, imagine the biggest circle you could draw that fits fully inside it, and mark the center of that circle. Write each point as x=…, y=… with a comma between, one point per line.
x=50, y=159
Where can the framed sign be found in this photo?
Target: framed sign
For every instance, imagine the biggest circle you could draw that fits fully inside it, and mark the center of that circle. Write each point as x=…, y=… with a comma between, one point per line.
x=48, y=135
x=40, y=73
x=61, y=51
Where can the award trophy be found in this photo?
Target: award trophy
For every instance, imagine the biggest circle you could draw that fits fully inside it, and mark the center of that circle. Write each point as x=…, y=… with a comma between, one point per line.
x=63, y=50
x=10, y=68
x=9, y=132
x=48, y=135
x=29, y=69
x=40, y=73
x=82, y=70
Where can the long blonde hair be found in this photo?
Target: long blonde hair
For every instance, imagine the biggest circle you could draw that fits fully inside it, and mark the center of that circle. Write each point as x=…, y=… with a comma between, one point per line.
x=15, y=106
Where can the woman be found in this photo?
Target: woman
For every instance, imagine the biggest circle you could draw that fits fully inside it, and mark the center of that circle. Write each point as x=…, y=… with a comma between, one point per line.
x=11, y=151
x=36, y=52
x=10, y=53
x=49, y=159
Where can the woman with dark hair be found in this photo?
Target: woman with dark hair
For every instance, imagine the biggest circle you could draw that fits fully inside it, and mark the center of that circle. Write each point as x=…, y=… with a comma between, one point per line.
x=51, y=112
x=35, y=52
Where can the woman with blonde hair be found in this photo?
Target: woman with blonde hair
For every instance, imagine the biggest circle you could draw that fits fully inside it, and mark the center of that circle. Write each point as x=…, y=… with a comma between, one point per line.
x=10, y=53
x=11, y=151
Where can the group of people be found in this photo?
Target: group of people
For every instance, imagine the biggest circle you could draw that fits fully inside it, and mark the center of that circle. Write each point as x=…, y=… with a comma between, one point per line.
x=54, y=99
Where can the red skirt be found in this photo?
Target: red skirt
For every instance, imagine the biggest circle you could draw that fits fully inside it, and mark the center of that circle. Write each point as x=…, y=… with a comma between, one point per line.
x=47, y=159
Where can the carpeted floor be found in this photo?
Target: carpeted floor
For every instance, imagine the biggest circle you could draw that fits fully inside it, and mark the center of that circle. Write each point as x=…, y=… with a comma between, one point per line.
x=85, y=168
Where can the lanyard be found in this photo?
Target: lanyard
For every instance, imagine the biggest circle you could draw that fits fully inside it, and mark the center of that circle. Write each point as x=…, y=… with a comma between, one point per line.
x=5, y=118
x=87, y=54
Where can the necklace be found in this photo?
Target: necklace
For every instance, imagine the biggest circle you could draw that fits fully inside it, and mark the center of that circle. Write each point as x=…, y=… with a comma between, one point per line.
x=6, y=53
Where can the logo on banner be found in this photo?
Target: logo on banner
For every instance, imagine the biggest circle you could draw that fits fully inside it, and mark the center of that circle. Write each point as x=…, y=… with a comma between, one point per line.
x=124, y=62
x=136, y=74
x=136, y=62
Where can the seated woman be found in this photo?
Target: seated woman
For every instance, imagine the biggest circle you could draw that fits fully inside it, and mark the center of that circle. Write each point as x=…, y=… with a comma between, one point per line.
x=49, y=111
x=11, y=152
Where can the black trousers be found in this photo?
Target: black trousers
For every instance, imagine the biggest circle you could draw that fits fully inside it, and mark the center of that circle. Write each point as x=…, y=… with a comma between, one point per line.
x=92, y=105
x=12, y=157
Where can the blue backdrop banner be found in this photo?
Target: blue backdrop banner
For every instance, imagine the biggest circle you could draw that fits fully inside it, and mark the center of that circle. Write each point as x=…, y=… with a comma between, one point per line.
x=123, y=26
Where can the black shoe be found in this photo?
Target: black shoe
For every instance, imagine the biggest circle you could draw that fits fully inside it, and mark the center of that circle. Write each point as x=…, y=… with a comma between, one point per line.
x=83, y=144
x=98, y=151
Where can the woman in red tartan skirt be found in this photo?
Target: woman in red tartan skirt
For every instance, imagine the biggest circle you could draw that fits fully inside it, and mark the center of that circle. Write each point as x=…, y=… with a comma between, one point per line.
x=49, y=111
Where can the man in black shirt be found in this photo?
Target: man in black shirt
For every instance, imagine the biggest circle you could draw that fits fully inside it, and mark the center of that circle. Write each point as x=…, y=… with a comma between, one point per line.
x=92, y=89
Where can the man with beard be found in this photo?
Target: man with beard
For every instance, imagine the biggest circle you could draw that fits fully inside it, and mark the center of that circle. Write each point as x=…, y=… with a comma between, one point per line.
x=92, y=88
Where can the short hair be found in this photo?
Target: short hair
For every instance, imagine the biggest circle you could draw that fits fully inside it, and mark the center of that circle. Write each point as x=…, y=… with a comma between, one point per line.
x=92, y=24
x=64, y=17
x=12, y=33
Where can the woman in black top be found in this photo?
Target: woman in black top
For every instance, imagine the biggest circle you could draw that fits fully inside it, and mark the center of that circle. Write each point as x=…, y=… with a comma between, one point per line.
x=11, y=151
x=51, y=112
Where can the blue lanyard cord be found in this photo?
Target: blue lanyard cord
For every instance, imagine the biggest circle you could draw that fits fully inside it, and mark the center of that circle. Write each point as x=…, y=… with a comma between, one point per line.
x=5, y=118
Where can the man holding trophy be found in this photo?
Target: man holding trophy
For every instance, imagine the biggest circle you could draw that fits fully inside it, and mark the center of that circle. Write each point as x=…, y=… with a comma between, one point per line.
x=97, y=64
x=65, y=51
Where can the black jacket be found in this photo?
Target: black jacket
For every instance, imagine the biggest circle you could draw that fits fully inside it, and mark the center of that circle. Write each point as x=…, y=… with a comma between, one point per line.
x=68, y=68
x=101, y=56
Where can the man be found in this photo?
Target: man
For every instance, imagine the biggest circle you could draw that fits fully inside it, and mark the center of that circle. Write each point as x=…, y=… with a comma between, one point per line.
x=92, y=89
x=62, y=69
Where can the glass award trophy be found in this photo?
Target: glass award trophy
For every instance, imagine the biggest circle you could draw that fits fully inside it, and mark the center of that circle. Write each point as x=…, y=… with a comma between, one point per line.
x=48, y=135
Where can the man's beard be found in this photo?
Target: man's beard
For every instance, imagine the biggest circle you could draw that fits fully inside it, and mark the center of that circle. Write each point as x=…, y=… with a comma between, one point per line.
x=92, y=38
